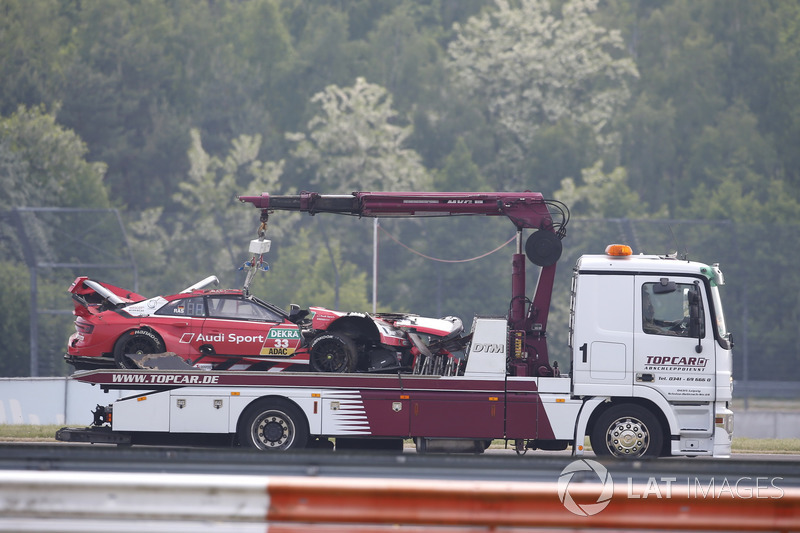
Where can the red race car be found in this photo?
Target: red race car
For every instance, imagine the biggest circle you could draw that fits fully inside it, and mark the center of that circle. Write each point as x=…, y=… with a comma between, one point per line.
x=228, y=329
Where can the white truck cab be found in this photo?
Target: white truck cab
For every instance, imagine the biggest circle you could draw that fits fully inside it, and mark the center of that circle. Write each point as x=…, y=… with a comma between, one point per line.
x=650, y=329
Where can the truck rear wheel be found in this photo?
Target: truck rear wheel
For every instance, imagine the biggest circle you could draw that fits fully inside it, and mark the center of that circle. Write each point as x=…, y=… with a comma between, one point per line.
x=333, y=352
x=273, y=424
x=627, y=431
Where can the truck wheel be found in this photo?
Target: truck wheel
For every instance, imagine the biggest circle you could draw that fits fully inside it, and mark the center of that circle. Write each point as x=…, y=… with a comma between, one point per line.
x=273, y=424
x=627, y=431
x=138, y=341
x=333, y=352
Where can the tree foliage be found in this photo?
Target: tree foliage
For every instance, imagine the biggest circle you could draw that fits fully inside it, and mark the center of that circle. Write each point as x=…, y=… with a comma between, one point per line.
x=210, y=216
x=354, y=143
x=43, y=164
x=531, y=68
x=636, y=110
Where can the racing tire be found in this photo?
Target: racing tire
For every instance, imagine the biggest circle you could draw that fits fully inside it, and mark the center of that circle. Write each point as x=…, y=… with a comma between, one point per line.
x=333, y=352
x=627, y=431
x=138, y=341
x=273, y=424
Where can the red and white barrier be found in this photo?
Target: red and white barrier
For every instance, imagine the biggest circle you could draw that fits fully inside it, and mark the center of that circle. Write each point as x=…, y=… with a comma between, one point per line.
x=174, y=503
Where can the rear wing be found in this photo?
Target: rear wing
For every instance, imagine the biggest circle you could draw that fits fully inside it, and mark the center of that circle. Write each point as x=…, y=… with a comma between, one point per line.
x=90, y=295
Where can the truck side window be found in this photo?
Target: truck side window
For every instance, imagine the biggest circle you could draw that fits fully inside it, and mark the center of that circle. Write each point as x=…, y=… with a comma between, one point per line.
x=667, y=312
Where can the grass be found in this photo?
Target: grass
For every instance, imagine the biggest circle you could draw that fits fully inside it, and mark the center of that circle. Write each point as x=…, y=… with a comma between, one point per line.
x=22, y=432
x=747, y=445
x=27, y=433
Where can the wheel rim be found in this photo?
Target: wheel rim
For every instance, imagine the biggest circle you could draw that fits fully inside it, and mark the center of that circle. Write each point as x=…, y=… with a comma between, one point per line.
x=273, y=430
x=330, y=356
x=628, y=437
x=139, y=346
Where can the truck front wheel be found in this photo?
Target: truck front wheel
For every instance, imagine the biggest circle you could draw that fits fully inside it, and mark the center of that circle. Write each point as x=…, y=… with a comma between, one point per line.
x=273, y=424
x=627, y=431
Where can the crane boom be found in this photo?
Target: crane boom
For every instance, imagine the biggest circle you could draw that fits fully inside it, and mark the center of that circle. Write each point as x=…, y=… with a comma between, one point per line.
x=526, y=210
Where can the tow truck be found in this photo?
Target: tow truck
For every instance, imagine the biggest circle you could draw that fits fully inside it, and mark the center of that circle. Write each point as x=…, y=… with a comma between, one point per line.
x=650, y=361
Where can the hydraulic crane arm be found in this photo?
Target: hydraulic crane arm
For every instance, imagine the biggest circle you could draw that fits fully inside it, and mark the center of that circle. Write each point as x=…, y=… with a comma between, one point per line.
x=526, y=210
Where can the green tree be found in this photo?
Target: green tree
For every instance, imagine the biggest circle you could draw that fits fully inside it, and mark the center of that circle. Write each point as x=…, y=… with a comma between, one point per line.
x=123, y=91
x=529, y=68
x=324, y=56
x=31, y=39
x=212, y=229
x=601, y=195
x=405, y=58
x=43, y=164
x=702, y=63
x=459, y=172
x=354, y=143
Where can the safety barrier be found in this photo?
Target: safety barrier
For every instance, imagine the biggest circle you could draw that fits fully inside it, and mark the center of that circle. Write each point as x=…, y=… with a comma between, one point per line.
x=99, y=501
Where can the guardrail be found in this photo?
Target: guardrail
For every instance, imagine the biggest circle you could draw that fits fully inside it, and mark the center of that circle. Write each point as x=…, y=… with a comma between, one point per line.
x=100, y=501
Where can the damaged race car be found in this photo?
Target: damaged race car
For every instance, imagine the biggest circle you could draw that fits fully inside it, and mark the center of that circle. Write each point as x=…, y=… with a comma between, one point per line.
x=229, y=329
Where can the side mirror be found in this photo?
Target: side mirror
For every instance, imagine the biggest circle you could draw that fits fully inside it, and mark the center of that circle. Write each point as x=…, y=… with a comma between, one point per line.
x=695, y=318
x=296, y=315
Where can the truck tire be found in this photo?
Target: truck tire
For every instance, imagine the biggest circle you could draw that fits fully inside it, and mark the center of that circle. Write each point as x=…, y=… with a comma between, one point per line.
x=273, y=424
x=627, y=431
x=333, y=352
x=138, y=341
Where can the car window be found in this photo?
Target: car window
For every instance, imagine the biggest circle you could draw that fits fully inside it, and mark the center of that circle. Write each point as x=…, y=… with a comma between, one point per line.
x=240, y=309
x=184, y=307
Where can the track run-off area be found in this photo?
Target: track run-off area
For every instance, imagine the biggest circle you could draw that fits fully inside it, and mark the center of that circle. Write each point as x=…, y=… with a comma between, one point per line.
x=46, y=487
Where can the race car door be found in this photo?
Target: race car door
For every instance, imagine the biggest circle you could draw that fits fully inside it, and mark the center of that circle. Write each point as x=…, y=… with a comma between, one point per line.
x=180, y=322
x=239, y=327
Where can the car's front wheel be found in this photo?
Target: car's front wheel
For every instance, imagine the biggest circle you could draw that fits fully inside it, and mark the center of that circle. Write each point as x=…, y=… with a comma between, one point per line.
x=333, y=352
x=139, y=341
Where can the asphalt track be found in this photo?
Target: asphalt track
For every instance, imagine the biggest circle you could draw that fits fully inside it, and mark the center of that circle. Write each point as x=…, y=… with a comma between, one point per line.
x=495, y=465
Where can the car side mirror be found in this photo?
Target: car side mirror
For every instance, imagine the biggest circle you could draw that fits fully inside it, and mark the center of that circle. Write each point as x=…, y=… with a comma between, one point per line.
x=296, y=315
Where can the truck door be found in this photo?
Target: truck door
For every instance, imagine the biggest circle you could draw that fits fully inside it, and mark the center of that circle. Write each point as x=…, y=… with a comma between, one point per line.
x=602, y=316
x=673, y=343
